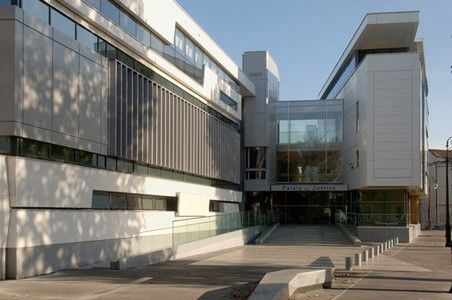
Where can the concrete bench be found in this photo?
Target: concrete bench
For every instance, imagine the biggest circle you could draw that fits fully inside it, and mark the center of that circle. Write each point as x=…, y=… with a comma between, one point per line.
x=283, y=284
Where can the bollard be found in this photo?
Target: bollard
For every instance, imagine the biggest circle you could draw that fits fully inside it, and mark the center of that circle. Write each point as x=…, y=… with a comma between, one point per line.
x=377, y=250
x=358, y=259
x=391, y=243
x=365, y=255
x=371, y=253
x=382, y=250
x=397, y=240
x=394, y=241
x=348, y=263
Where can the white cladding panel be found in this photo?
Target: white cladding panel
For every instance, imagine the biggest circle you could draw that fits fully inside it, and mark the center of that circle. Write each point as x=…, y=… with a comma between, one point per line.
x=40, y=183
x=387, y=88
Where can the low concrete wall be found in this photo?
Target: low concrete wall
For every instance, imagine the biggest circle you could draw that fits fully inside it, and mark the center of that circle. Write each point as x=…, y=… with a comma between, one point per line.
x=31, y=261
x=216, y=243
x=220, y=242
x=384, y=233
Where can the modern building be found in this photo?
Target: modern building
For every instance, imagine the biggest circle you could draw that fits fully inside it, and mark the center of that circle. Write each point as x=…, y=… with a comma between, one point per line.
x=433, y=209
x=117, y=118
x=360, y=149
x=121, y=117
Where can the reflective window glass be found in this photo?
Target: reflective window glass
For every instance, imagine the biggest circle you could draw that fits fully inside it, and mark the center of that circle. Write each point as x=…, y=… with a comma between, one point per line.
x=179, y=42
x=86, y=38
x=127, y=23
x=37, y=9
x=110, y=10
x=118, y=201
x=5, y=145
x=133, y=201
x=144, y=36
x=34, y=148
x=94, y=3
x=62, y=23
x=189, y=51
x=157, y=44
x=160, y=203
x=148, y=202
x=101, y=200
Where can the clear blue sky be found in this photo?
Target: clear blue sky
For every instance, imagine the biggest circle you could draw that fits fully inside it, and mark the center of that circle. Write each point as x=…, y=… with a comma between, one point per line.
x=307, y=37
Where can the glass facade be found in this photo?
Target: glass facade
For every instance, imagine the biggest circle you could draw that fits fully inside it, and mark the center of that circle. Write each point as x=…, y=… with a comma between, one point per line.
x=382, y=208
x=308, y=141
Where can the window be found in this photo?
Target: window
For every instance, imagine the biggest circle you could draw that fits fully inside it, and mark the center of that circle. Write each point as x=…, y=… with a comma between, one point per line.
x=86, y=38
x=101, y=200
x=160, y=203
x=255, y=163
x=5, y=145
x=357, y=116
x=94, y=3
x=62, y=23
x=37, y=9
x=144, y=36
x=118, y=201
x=34, y=149
x=357, y=158
x=148, y=202
x=101, y=160
x=125, y=166
x=228, y=101
x=110, y=10
x=85, y=158
x=223, y=206
x=128, y=24
x=133, y=201
x=111, y=163
x=179, y=42
x=62, y=153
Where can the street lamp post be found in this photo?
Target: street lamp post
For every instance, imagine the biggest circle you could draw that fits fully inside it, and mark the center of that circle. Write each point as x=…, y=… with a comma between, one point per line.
x=448, y=241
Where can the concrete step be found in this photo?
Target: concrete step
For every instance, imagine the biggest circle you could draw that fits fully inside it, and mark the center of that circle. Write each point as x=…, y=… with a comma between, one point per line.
x=308, y=235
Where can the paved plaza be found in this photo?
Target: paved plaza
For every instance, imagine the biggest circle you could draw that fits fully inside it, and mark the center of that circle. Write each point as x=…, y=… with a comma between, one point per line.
x=421, y=270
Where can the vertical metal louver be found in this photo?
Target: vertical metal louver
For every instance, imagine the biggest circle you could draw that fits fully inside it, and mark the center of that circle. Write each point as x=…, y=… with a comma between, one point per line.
x=148, y=123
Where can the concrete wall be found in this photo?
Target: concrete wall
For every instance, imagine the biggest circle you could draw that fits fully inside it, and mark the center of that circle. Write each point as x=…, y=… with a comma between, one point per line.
x=58, y=91
x=387, y=87
x=4, y=214
x=382, y=234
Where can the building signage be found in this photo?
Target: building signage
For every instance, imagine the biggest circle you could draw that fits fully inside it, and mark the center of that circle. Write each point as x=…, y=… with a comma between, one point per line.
x=309, y=187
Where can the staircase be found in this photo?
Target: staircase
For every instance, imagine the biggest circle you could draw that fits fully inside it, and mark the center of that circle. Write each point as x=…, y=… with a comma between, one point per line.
x=307, y=235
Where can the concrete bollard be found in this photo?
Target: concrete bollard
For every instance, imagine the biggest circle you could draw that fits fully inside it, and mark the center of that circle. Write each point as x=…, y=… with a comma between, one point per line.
x=382, y=248
x=397, y=240
x=348, y=263
x=391, y=243
x=371, y=252
x=358, y=259
x=365, y=255
x=377, y=250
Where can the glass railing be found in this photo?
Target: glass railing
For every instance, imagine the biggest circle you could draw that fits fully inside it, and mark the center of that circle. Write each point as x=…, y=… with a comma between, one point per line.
x=348, y=220
x=195, y=229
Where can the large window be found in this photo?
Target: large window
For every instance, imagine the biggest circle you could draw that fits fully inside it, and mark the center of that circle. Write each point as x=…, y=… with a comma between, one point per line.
x=62, y=23
x=37, y=9
x=228, y=101
x=308, y=141
x=255, y=163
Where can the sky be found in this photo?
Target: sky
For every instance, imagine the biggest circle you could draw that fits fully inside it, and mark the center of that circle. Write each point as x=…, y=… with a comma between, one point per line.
x=307, y=37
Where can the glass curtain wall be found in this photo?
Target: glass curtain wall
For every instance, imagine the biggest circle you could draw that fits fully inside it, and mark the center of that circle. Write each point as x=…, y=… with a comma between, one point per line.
x=308, y=141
